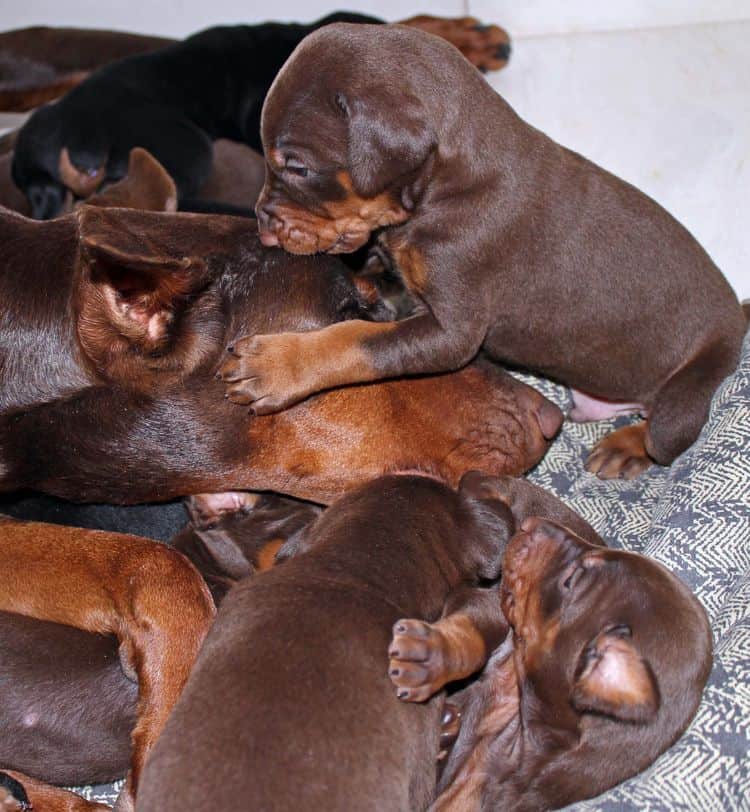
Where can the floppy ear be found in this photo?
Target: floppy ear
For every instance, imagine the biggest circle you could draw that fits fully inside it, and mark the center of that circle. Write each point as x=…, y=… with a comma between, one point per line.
x=385, y=144
x=226, y=552
x=147, y=186
x=613, y=679
x=136, y=279
x=494, y=519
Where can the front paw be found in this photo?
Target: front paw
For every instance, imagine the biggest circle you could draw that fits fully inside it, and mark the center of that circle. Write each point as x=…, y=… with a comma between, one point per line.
x=417, y=660
x=266, y=372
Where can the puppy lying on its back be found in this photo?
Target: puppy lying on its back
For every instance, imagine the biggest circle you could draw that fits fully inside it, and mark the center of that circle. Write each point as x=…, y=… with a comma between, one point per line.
x=605, y=669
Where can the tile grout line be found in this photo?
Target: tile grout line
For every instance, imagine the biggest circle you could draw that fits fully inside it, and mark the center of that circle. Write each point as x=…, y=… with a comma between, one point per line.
x=622, y=30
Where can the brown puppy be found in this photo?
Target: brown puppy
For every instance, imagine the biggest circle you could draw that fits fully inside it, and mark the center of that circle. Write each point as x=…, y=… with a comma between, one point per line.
x=605, y=669
x=149, y=596
x=67, y=708
x=511, y=242
x=296, y=654
x=113, y=323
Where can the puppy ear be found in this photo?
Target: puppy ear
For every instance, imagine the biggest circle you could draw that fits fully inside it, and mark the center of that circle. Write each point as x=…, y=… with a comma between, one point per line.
x=226, y=552
x=147, y=186
x=135, y=278
x=384, y=144
x=613, y=679
x=493, y=516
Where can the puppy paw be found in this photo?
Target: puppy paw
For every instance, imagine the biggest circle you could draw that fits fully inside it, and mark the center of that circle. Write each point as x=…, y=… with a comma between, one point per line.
x=621, y=454
x=417, y=664
x=485, y=46
x=13, y=797
x=267, y=372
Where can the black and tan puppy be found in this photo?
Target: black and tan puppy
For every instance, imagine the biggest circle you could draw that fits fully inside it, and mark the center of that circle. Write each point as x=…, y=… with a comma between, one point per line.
x=296, y=656
x=512, y=242
x=176, y=100
x=604, y=670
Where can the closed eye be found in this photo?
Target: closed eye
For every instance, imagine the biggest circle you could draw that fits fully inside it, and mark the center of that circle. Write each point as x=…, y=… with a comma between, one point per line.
x=296, y=168
x=570, y=577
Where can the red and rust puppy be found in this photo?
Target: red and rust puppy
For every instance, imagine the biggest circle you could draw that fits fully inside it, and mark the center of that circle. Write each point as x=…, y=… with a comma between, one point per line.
x=150, y=597
x=67, y=707
x=296, y=655
x=511, y=242
x=604, y=670
x=113, y=324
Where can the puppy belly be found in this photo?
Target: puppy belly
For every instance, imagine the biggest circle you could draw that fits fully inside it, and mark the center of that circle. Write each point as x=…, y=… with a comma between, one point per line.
x=587, y=408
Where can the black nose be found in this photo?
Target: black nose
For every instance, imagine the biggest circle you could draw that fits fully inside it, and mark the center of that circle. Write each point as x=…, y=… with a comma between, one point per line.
x=503, y=51
x=45, y=201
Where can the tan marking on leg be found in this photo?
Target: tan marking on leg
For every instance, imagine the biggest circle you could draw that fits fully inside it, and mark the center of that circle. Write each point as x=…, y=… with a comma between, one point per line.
x=621, y=454
x=266, y=557
x=77, y=181
x=424, y=657
x=46, y=798
x=287, y=367
x=485, y=46
x=146, y=594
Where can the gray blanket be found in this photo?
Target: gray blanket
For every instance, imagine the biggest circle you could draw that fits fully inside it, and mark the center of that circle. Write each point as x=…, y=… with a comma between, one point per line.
x=695, y=519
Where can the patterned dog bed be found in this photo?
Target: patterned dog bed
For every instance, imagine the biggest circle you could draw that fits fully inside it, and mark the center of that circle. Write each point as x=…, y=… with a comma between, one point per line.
x=695, y=519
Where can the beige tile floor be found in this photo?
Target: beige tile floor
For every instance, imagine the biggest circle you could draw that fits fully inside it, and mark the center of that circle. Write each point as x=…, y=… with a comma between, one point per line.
x=668, y=109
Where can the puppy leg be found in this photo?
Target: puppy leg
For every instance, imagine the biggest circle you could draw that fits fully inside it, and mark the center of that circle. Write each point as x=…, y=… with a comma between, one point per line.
x=621, y=454
x=19, y=793
x=485, y=46
x=426, y=656
x=271, y=372
x=149, y=596
x=675, y=420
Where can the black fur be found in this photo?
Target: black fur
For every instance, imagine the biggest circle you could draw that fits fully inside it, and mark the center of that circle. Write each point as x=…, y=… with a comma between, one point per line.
x=173, y=102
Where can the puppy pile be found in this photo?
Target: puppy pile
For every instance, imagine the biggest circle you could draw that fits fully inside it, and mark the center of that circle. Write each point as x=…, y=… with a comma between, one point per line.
x=442, y=634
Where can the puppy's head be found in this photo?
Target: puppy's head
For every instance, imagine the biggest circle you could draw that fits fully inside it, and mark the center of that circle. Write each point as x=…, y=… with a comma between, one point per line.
x=36, y=165
x=235, y=534
x=349, y=128
x=138, y=299
x=602, y=632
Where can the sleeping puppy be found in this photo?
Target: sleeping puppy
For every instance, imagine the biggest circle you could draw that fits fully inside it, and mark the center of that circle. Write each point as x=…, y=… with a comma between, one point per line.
x=511, y=242
x=289, y=705
x=604, y=669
